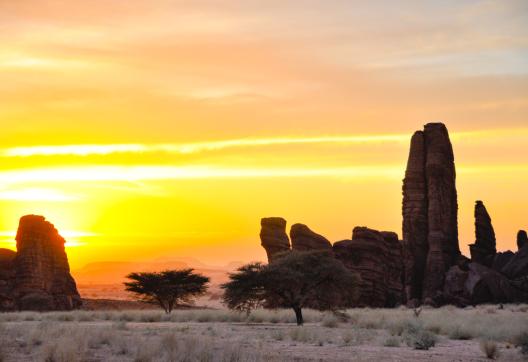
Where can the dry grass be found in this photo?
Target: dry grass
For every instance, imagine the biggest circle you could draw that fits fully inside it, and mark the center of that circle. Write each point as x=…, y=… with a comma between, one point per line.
x=489, y=348
x=217, y=335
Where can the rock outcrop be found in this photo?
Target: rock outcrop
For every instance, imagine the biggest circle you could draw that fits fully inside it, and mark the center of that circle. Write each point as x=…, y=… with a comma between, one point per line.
x=273, y=236
x=7, y=273
x=377, y=258
x=479, y=284
x=484, y=249
x=517, y=266
x=304, y=239
x=430, y=212
x=39, y=276
x=522, y=239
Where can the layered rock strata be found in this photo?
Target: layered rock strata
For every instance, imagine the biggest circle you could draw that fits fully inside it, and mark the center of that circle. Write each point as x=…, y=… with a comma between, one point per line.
x=430, y=212
x=39, y=274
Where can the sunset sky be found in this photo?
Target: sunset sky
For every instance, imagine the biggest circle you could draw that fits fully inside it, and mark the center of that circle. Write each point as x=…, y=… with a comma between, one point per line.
x=160, y=129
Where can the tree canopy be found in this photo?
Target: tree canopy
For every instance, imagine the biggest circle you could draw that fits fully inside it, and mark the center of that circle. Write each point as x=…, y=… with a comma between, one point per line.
x=294, y=280
x=167, y=288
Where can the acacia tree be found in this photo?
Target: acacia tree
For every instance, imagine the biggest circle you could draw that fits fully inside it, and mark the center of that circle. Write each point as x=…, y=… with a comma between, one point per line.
x=293, y=280
x=167, y=288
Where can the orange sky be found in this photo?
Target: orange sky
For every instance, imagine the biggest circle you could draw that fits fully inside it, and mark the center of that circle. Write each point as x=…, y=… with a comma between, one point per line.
x=154, y=129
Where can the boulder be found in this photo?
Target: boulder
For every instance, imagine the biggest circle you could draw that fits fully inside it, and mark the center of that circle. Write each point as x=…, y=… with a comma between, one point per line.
x=517, y=267
x=273, y=236
x=480, y=284
x=484, y=249
x=304, y=239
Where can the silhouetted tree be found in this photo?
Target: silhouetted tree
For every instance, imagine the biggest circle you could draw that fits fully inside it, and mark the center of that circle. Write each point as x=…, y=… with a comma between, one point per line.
x=167, y=288
x=294, y=280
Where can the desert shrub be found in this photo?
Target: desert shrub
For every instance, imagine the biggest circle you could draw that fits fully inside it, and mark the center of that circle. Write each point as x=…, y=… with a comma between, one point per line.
x=392, y=342
x=424, y=340
x=460, y=333
x=521, y=340
x=330, y=321
x=418, y=337
x=489, y=348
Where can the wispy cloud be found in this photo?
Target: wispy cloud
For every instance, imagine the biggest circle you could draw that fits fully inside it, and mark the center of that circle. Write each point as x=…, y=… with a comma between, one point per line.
x=196, y=147
x=36, y=194
x=146, y=173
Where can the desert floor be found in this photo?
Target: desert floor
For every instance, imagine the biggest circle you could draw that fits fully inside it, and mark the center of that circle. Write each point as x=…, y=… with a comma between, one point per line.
x=220, y=335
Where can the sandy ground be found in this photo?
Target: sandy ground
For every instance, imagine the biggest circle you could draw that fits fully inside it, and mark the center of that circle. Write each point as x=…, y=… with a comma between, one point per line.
x=132, y=341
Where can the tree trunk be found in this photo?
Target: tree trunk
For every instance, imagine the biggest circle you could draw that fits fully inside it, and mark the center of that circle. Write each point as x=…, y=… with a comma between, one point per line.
x=298, y=315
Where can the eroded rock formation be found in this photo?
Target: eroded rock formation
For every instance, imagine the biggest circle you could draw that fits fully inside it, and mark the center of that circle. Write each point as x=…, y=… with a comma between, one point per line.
x=273, y=236
x=522, y=239
x=39, y=276
x=478, y=284
x=430, y=212
x=484, y=249
x=304, y=239
x=377, y=258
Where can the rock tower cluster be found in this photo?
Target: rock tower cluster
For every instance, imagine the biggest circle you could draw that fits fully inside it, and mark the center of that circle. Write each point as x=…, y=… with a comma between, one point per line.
x=426, y=266
x=37, y=276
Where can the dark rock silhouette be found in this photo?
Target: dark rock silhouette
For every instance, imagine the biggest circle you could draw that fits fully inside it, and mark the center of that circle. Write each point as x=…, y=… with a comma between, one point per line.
x=501, y=259
x=304, y=239
x=522, y=239
x=517, y=266
x=480, y=284
x=430, y=212
x=426, y=266
x=484, y=249
x=369, y=254
x=415, y=246
x=273, y=236
x=7, y=274
x=39, y=277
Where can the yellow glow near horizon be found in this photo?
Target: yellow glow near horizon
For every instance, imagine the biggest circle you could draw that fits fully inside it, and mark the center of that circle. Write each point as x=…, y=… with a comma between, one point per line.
x=170, y=128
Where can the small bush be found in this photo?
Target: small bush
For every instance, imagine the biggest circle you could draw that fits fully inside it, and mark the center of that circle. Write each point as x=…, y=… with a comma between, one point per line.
x=417, y=337
x=392, y=342
x=424, y=340
x=460, y=333
x=521, y=340
x=330, y=321
x=489, y=348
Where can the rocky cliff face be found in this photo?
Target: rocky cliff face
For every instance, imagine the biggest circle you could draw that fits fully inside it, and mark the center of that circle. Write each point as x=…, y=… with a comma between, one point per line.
x=273, y=236
x=39, y=273
x=430, y=212
x=376, y=257
x=484, y=249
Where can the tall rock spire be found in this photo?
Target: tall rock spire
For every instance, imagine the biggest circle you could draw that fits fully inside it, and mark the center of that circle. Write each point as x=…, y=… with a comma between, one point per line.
x=415, y=219
x=484, y=249
x=430, y=213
